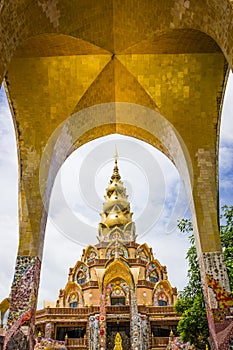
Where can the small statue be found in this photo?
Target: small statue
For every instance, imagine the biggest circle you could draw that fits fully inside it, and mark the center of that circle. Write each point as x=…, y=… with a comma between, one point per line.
x=118, y=342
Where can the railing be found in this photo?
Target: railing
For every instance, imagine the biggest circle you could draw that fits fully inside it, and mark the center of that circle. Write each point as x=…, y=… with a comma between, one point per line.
x=76, y=342
x=67, y=311
x=97, y=262
x=131, y=261
x=111, y=309
x=123, y=309
x=137, y=261
x=168, y=310
x=156, y=341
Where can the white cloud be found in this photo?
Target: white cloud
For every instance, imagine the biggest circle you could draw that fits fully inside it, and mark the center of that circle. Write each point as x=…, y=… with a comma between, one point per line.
x=226, y=158
x=8, y=250
x=227, y=113
x=8, y=202
x=59, y=254
x=226, y=148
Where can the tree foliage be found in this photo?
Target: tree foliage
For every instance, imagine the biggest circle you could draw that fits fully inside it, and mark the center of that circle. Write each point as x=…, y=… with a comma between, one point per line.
x=226, y=235
x=193, y=326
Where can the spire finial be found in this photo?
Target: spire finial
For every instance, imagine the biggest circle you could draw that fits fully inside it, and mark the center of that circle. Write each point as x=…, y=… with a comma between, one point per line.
x=116, y=155
x=116, y=174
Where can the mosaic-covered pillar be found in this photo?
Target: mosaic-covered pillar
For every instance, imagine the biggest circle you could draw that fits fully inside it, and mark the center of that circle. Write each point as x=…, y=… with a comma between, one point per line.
x=93, y=332
x=102, y=322
x=135, y=321
x=218, y=299
x=215, y=283
x=23, y=298
x=144, y=333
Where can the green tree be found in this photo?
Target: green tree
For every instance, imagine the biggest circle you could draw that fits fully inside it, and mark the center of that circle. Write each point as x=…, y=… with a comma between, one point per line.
x=193, y=326
x=226, y=235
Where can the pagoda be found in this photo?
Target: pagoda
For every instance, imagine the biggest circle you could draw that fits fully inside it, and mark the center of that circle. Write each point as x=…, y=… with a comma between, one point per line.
x=117, y=288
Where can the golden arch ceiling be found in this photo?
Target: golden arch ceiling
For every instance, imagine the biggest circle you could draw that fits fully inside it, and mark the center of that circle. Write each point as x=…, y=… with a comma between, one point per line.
x=45, y=91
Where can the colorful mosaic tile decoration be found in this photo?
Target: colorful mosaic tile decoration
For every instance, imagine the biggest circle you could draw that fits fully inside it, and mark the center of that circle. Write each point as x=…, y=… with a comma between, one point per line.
x=23, y=295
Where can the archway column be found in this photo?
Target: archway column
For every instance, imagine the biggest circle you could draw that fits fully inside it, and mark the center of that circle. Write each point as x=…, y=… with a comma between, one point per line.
x=215, y=282
x=95, y=121
x=136, y=342
x=25, y=285
x=102, y=321
x=23, y=299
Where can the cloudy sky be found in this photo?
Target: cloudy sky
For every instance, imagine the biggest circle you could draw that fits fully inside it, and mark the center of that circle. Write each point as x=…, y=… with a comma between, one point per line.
x=77, y=200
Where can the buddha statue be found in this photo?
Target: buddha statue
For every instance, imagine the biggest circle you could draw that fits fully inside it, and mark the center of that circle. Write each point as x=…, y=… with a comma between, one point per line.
x=118, y=342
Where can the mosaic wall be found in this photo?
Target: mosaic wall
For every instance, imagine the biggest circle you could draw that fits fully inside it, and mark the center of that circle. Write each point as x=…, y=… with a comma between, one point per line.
x=102, y=322
x=144, y=332
x=223, y=298
x=218, y=299
x=23, y=295
x=135, y=321
x=215, y=266
x=93, y=333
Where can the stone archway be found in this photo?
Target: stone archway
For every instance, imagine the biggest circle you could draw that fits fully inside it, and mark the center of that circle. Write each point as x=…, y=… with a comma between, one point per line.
x=172, y=63
x=78, y=128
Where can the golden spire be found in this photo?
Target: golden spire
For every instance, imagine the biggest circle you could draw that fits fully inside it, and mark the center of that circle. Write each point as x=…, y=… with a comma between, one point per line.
x=116, y=154
x=116, y=209
x=116, y=175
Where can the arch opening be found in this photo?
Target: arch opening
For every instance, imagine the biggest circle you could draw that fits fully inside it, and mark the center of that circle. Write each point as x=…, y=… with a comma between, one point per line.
x=82, y=193
x=9, y=226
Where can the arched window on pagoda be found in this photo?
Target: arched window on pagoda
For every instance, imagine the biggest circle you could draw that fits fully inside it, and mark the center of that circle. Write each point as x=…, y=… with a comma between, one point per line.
x=143, y=252
x=117, y=293
x=153, y=277
x=73, y=300
x=154, y=271
x=111, y=250
x=118, y=296
x=162, y=299
x=162, y=294
x=73, y=295
x=81, y=277
x=82, y=273
x=91, y=254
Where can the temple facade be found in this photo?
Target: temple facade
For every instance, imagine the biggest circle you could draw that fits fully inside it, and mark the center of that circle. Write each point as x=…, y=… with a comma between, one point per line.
x=117, y=287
